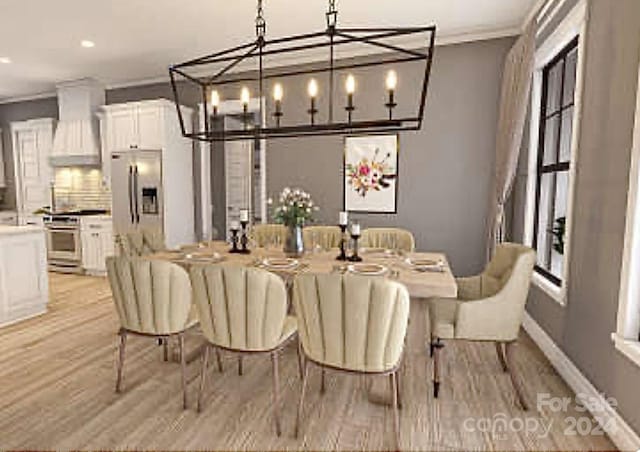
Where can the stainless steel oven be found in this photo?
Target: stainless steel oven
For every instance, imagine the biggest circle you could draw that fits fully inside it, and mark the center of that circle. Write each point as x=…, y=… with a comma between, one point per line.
x=64, y=248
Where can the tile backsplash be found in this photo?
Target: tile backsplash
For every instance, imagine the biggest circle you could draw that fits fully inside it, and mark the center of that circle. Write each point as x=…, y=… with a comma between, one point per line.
x=81, y=188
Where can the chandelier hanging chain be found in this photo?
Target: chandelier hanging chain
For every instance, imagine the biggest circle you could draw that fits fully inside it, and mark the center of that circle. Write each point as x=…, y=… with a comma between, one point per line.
x=332, y=17
x=261, y=24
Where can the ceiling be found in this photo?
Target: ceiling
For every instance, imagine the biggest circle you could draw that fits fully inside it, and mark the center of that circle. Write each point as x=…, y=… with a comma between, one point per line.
x=136, y=40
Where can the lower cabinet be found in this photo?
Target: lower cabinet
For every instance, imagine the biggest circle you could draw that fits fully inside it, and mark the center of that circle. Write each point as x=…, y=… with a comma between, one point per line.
x=96, y=236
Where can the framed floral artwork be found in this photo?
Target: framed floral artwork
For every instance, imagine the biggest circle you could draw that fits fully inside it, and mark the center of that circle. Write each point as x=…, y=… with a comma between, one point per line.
x=371, y=173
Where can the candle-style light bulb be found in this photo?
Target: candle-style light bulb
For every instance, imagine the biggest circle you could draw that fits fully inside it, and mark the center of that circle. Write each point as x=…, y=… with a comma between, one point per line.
x=392, y=80
x=351, y=84
x=277, y=92
x=277, y=96
x=312, y=88
x=245, y=96
x=215, y=101
x=351, y=88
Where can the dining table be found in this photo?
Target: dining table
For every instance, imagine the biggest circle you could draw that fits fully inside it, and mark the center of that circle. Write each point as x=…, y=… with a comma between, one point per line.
x=424, y=274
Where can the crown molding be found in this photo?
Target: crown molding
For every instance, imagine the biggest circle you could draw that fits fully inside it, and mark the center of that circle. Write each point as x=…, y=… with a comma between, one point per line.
x=443, y=40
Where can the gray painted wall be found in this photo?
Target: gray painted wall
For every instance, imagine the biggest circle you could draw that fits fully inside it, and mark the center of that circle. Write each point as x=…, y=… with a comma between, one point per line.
x=583, y=327
x=445, y=169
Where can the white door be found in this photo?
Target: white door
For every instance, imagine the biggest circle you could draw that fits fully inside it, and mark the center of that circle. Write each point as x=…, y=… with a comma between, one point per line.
x=237, y=173
x=33, y=173
x=149, y=127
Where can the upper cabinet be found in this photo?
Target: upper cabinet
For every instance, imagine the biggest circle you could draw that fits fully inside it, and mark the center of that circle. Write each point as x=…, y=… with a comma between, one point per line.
x=32, y=142
x=150, y=125
x=3, y=182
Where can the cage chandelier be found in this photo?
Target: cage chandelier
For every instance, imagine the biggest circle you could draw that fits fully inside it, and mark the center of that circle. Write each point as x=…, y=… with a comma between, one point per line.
x=318, y=83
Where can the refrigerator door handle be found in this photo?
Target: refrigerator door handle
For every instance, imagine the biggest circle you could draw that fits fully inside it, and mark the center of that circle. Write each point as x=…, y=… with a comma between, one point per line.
x=130, y=183
x=135, y=188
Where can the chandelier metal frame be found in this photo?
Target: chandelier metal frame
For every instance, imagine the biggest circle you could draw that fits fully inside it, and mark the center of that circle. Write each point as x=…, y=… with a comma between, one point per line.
x=190, y=72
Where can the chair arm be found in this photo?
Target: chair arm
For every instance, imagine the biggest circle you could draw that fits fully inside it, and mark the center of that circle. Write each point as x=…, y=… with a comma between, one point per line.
x=469, y=288
x=489, y=319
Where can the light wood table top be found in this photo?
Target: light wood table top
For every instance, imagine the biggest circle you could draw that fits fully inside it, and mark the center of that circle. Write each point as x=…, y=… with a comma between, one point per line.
x=421, y=284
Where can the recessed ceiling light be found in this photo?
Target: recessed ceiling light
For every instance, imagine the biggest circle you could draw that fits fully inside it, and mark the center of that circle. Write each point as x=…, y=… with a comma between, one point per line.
x=87, y=44
x=5, y=60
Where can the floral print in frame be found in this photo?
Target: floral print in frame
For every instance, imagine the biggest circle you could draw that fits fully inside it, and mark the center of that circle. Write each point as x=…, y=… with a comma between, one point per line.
x=371, y=173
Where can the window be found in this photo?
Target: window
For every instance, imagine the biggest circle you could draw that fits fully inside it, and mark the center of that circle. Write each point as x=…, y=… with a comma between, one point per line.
x=555, y=130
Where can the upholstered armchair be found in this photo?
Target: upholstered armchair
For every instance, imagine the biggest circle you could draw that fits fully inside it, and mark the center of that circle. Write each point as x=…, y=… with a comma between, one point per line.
x=267, y=234
x=326, y=237
x=489, y=308
x=392, y=238
x=152, y=299
x=243, y=311
x=352, y=324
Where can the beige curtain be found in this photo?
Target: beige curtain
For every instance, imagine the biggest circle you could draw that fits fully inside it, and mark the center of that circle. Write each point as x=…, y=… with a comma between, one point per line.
x=516, y=85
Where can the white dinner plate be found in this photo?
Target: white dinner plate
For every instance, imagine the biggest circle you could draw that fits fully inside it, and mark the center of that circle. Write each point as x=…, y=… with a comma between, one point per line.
x=367, y=269
x=280, y=262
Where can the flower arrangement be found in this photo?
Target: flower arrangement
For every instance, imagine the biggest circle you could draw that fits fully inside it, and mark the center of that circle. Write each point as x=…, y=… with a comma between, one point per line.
x=295, y=208
x=373, y=174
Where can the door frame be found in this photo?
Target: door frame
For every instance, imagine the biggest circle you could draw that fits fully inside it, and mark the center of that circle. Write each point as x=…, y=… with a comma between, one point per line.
x=206, y=203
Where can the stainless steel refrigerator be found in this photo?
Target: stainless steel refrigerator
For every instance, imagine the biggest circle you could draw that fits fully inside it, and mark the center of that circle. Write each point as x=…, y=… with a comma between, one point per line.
x=136, y=189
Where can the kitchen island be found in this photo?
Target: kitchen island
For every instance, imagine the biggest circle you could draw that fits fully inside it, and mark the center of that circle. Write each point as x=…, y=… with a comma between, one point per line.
x=24, y=286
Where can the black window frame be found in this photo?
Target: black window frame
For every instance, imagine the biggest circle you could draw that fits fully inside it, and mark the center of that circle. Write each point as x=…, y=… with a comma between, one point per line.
x=558, y=166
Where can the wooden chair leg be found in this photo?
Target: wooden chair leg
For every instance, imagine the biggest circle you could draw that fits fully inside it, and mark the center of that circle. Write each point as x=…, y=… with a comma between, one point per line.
x=121, y=348
x=165, y=349
x=183, y=365
x=240, y=371
x=300, y=358
x=203, y=375
x=398, y=391
x=393, y=380
x=322, y=383
x=276, y=392
x=437, y=350
x=500, y=352
x=219, y=360
x=515, y=380
x=305, y=378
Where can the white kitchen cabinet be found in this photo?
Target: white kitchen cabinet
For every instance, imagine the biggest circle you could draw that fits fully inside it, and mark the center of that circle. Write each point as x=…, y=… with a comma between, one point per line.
x=3, y=181
x=32, y=142
x=96, y=236
x=146, y=125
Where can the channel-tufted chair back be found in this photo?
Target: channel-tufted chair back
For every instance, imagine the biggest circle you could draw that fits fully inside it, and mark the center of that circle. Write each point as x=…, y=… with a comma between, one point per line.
x=140, y=243
x=240, y=308
x=326, y=237
x=151, y=297
x=400, y=239
x=351, y=322
x=265, y=234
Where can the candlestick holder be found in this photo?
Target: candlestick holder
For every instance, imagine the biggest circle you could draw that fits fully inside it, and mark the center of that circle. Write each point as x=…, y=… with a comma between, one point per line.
x=354, y=257
x=391, y=104
x=313, y=110
x=244, y=240
x=234, y=241
x=350, y=107
x=278, y=113
x=343, y=251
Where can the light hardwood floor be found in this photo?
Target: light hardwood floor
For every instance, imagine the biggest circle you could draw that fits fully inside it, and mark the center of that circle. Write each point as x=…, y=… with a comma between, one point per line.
x=57, y=378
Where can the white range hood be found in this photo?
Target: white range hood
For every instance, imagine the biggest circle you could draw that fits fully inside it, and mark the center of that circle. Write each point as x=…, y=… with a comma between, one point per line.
x=77, y=138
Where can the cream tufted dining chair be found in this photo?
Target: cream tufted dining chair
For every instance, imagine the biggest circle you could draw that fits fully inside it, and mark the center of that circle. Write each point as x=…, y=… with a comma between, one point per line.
x=266, y=234
x=326, y=237
x=152, y=298
x=489, y=308
x=353, y=324
x=242, y=310
x=400, y=239
x=140, y=243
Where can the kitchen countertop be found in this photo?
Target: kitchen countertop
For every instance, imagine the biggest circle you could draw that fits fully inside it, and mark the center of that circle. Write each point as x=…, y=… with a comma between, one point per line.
x=18, y=230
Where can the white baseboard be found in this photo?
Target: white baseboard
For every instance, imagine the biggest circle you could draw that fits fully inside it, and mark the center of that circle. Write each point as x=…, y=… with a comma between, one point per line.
x=623, y=435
